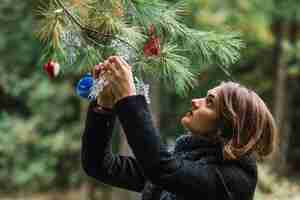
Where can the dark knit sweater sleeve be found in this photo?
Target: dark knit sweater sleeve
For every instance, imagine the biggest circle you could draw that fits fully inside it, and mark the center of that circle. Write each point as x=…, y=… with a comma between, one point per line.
x=99, y=162
x=179, y=176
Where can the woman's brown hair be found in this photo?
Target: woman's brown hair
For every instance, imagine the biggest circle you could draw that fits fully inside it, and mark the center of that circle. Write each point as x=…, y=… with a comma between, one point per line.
x=246, y=125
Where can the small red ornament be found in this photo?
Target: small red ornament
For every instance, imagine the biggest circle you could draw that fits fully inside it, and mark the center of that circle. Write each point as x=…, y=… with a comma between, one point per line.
x=52, y=68
x=152, y=47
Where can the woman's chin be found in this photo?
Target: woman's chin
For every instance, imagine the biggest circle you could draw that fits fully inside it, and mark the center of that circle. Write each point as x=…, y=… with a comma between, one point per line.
x=185, y=121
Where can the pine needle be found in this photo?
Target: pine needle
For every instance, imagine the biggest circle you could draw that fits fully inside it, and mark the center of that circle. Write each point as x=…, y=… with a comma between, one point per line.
x=50, y=26
x=170, y=67
x=214, y=47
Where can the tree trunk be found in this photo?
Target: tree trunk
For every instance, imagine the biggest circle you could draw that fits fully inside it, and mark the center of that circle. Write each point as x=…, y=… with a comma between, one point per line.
x=280, y=97
x=294, y=30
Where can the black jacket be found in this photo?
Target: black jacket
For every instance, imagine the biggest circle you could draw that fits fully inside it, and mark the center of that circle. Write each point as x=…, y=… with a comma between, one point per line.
x=195, y=169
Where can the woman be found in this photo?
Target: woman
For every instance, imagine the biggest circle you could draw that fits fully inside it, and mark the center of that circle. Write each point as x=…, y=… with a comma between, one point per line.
x=215, y=159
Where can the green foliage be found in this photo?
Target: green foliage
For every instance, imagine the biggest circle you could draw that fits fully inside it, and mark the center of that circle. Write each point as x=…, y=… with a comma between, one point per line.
x=50, y=25
x=30, y=156
x=171, y=67
x=33, y=145
x=127, y=23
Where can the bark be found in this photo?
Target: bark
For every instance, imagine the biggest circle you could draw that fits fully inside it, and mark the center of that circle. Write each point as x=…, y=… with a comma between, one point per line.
x=283, y=106
x=293, y=105
x=281, y=96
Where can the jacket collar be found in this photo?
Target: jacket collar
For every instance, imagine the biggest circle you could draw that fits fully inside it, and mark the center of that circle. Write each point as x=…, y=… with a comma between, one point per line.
x=199, y=146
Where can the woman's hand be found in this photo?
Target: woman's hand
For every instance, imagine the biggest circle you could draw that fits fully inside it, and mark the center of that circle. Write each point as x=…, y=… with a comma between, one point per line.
x=120, y=75
x=106, y=98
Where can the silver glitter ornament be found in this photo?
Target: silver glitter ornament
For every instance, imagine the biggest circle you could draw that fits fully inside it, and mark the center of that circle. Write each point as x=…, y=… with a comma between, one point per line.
x=142, y=89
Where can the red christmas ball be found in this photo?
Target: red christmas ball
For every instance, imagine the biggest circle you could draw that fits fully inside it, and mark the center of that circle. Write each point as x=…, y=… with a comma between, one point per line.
x=152, y=47
x=52, y=68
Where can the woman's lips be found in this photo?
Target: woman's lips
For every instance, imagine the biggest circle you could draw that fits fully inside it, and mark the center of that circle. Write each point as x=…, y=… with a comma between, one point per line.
x=190, y=113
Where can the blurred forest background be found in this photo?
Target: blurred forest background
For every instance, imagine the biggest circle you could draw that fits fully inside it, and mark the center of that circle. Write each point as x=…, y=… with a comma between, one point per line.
x=41, y=121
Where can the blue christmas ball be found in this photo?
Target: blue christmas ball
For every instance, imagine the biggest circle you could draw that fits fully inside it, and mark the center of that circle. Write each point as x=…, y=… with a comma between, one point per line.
x=84, y=86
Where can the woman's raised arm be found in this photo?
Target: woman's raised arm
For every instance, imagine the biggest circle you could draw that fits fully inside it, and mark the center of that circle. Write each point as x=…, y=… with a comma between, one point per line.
x=98, y=160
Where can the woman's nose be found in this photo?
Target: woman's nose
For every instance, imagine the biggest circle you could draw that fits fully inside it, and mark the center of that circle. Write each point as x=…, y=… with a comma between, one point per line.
x=195, y=103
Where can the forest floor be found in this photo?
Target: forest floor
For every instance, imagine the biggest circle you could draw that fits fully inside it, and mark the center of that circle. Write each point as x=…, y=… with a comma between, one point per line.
x=270, y=187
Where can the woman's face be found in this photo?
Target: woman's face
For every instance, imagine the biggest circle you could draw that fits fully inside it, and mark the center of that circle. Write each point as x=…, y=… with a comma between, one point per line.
x=203, y=117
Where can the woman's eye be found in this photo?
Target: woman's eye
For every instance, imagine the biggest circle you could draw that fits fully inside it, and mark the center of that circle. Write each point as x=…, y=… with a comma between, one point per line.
x=209, y=101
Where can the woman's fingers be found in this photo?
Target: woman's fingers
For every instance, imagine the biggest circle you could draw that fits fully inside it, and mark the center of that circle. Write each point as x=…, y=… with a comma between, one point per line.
x=118, y=71
x=97, y=71
x=120, y=76
x=120, y=63
x=123, y=62
x=106, y=98
x=113, y=68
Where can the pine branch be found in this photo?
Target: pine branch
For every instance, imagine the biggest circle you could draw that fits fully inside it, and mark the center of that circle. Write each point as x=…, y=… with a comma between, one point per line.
x=92, y=34
x=69, y=14
x=50, y=26
x=144, y=13
x=214, y=48
x=171, y=18
x=133, y=36
x=170, y=67
x=176, y=70
x=114, y=28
